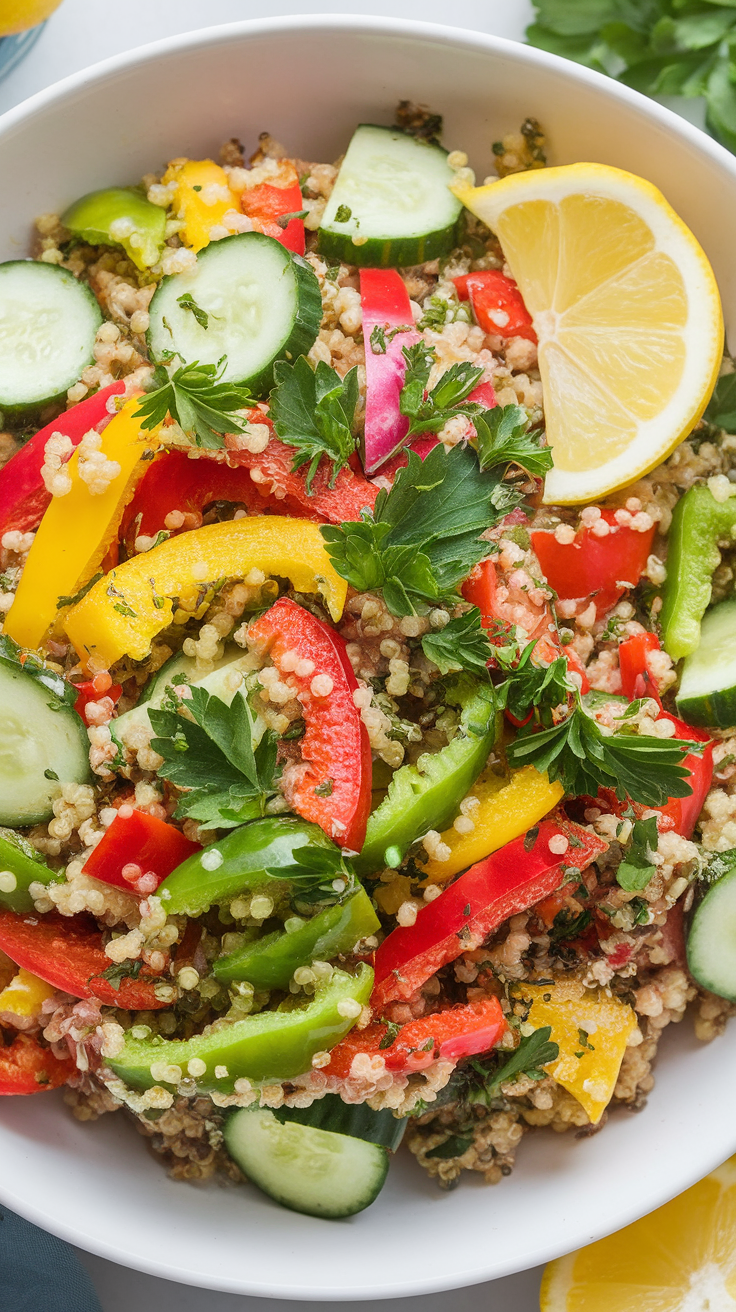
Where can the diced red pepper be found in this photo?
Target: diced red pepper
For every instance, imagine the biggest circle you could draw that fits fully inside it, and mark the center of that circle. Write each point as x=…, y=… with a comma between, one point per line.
x=386, y=309
x=269, y=201
x=177, y=481
x=67, y=952
x=27, y=1067
x=285, y=490
x=334, y=789
x=93, y=690
x=137, y=852
x=601, y=568
x=684, y=811
x=497, y=303
x=636, y=680
x=462, y=1031
x=510, y=880
x=23, y=495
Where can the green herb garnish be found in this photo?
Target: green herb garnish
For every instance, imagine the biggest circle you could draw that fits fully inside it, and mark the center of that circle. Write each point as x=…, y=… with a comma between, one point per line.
x=194, y=395
x=314, y=411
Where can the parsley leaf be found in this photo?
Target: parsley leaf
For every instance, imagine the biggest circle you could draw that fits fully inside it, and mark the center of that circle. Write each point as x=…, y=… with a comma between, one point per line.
x=721, y=409
x=461, y=645
x=567, y=925
x=428, y=412
x=194, y=395
x=528, y=687
x=637, y=868
x=533, y=1052
x=228, y=780
x=504, y=439
x=454, y=1146
x=423, y=536
x=319, y=875
x=584, y=759
x=117, y=971
x=187, y=302
x=314, y=411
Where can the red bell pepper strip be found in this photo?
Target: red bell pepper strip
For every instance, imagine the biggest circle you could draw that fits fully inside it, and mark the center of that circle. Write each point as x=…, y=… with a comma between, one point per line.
x=269, y=201
x=23, y=495
x=285, y=489
x=388, y=326
x=67, y=952
x=462, y=1031
x=684, y=811
x=334, y=790
x=176, y=481
x=636, y=680
x=508, y=881
x=137, y=852
x=497, y=303
x=591, y=566
x=27, y=1067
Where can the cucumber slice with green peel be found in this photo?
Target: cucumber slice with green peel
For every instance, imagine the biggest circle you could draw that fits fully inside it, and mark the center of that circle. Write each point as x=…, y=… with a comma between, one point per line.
x=306, y=1169
x=357, y=1120
x=707, y=692
x=711, y=943
x=393, y=194
x=119, y=216
x=48, y=325
x=43, y=743
x=260, y=304
x=183, y=669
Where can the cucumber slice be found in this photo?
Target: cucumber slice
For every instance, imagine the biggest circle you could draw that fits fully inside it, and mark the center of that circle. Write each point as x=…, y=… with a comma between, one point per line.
x=359, y=1121
x=711, y=943
x=43, y=742
x=394, y=191
x=48, y=324
x=183, y=669
x=707, y=693
x=306, y=1169
x=262, y=304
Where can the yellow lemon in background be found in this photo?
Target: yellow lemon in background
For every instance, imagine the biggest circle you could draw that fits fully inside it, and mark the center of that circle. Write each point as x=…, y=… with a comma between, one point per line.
x=19, y=15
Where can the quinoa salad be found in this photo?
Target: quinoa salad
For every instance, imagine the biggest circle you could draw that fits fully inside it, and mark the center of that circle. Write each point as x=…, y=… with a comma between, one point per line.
x=367, y=657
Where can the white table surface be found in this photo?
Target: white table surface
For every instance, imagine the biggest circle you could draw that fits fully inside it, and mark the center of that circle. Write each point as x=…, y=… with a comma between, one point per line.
x=79, y=34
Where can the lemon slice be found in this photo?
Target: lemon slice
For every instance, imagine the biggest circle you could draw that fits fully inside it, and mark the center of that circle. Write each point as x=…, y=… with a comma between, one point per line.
x=627, y=312
x=681, y=1258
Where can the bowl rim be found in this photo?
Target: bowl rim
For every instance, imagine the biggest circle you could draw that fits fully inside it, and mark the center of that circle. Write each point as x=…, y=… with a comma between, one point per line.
x=691, y=136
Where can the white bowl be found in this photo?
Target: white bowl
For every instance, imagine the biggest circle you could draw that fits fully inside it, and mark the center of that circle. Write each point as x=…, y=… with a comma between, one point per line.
x=309, y=81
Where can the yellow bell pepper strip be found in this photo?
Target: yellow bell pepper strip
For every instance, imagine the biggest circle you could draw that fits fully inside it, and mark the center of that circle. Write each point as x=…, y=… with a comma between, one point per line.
x=21, y=999
x=504, y=811
x=202, y=198
x=124, y=611
x=592, y=1029
x=77, y=530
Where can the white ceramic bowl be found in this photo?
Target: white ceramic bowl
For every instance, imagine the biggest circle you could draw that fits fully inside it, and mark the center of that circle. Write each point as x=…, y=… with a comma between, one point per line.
x=309, y=81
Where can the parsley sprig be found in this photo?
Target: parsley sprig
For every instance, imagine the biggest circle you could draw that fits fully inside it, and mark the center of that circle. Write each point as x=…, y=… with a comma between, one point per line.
x=637, y=867
x=195, y=396
x=429, y=411
x=504, y=439
x=479, y=1082
x=319, y=875
x=660, y=47
x=228, y=780
x=423, y=536
x=314, y=411
x=462, y=645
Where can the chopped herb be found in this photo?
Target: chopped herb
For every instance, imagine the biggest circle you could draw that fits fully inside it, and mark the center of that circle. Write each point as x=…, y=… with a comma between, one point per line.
x=504, y=439
x=429, y=411
x=196, y=187
x=187, y=302
x=343, y=214
x=72, y=601
x=533, y=1052
x=51, y=774
x=637, y=867
x=530, y=838
x=583, y=1040
x=466, y=909
x=378, y=340
x=314, y=411
x=392, y=1033
x=284, y=220
x=454, y=1146
x=202, y=404
x=461, y=645
x=567, y=925
x=123, y=608
x=296, y=730
x=326, y=789
x=120, y=970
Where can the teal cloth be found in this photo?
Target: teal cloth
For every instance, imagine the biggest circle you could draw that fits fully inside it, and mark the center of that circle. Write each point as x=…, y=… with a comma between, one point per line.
x=39, y=1273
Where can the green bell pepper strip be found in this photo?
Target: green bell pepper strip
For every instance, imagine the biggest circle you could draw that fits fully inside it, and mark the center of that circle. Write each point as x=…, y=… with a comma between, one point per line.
x=119, y=216
x=245, y=857
x=21, y=860
x=427, y=795
x=270, y=962
x=699, y=523
x=272, y=1045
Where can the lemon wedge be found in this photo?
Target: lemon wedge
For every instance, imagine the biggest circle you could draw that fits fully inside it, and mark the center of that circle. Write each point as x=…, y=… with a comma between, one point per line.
x=627, y=312
x=19, y=15
x=681, y=1258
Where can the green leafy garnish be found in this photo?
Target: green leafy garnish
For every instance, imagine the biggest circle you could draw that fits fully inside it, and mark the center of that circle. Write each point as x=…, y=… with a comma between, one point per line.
x=343, y=214
x=320, y=874
x=204, y=407
x=428, y=412
x=504, y=439
x=212, y=756
x=637, y=867
x=423, y=536
x=538, y=689
x=568, y=925
x=461, y=645
x=533, y=1052
x=314, y=411
x=117, y=971
x=721, y=409
x=584, y=758
x=454, y=1146
x=660, y=47
x=72, y=601
x=187, y=302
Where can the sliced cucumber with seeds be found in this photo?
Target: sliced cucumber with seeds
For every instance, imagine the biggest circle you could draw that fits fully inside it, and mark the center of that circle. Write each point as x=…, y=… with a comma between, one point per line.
x=711, y=943
x=256, y=303
x=48, y=325
x=43, y=743
x=355, y=1119
x=707, y=693
x=393, y=195
x=183, y=669
x=306, y=1169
